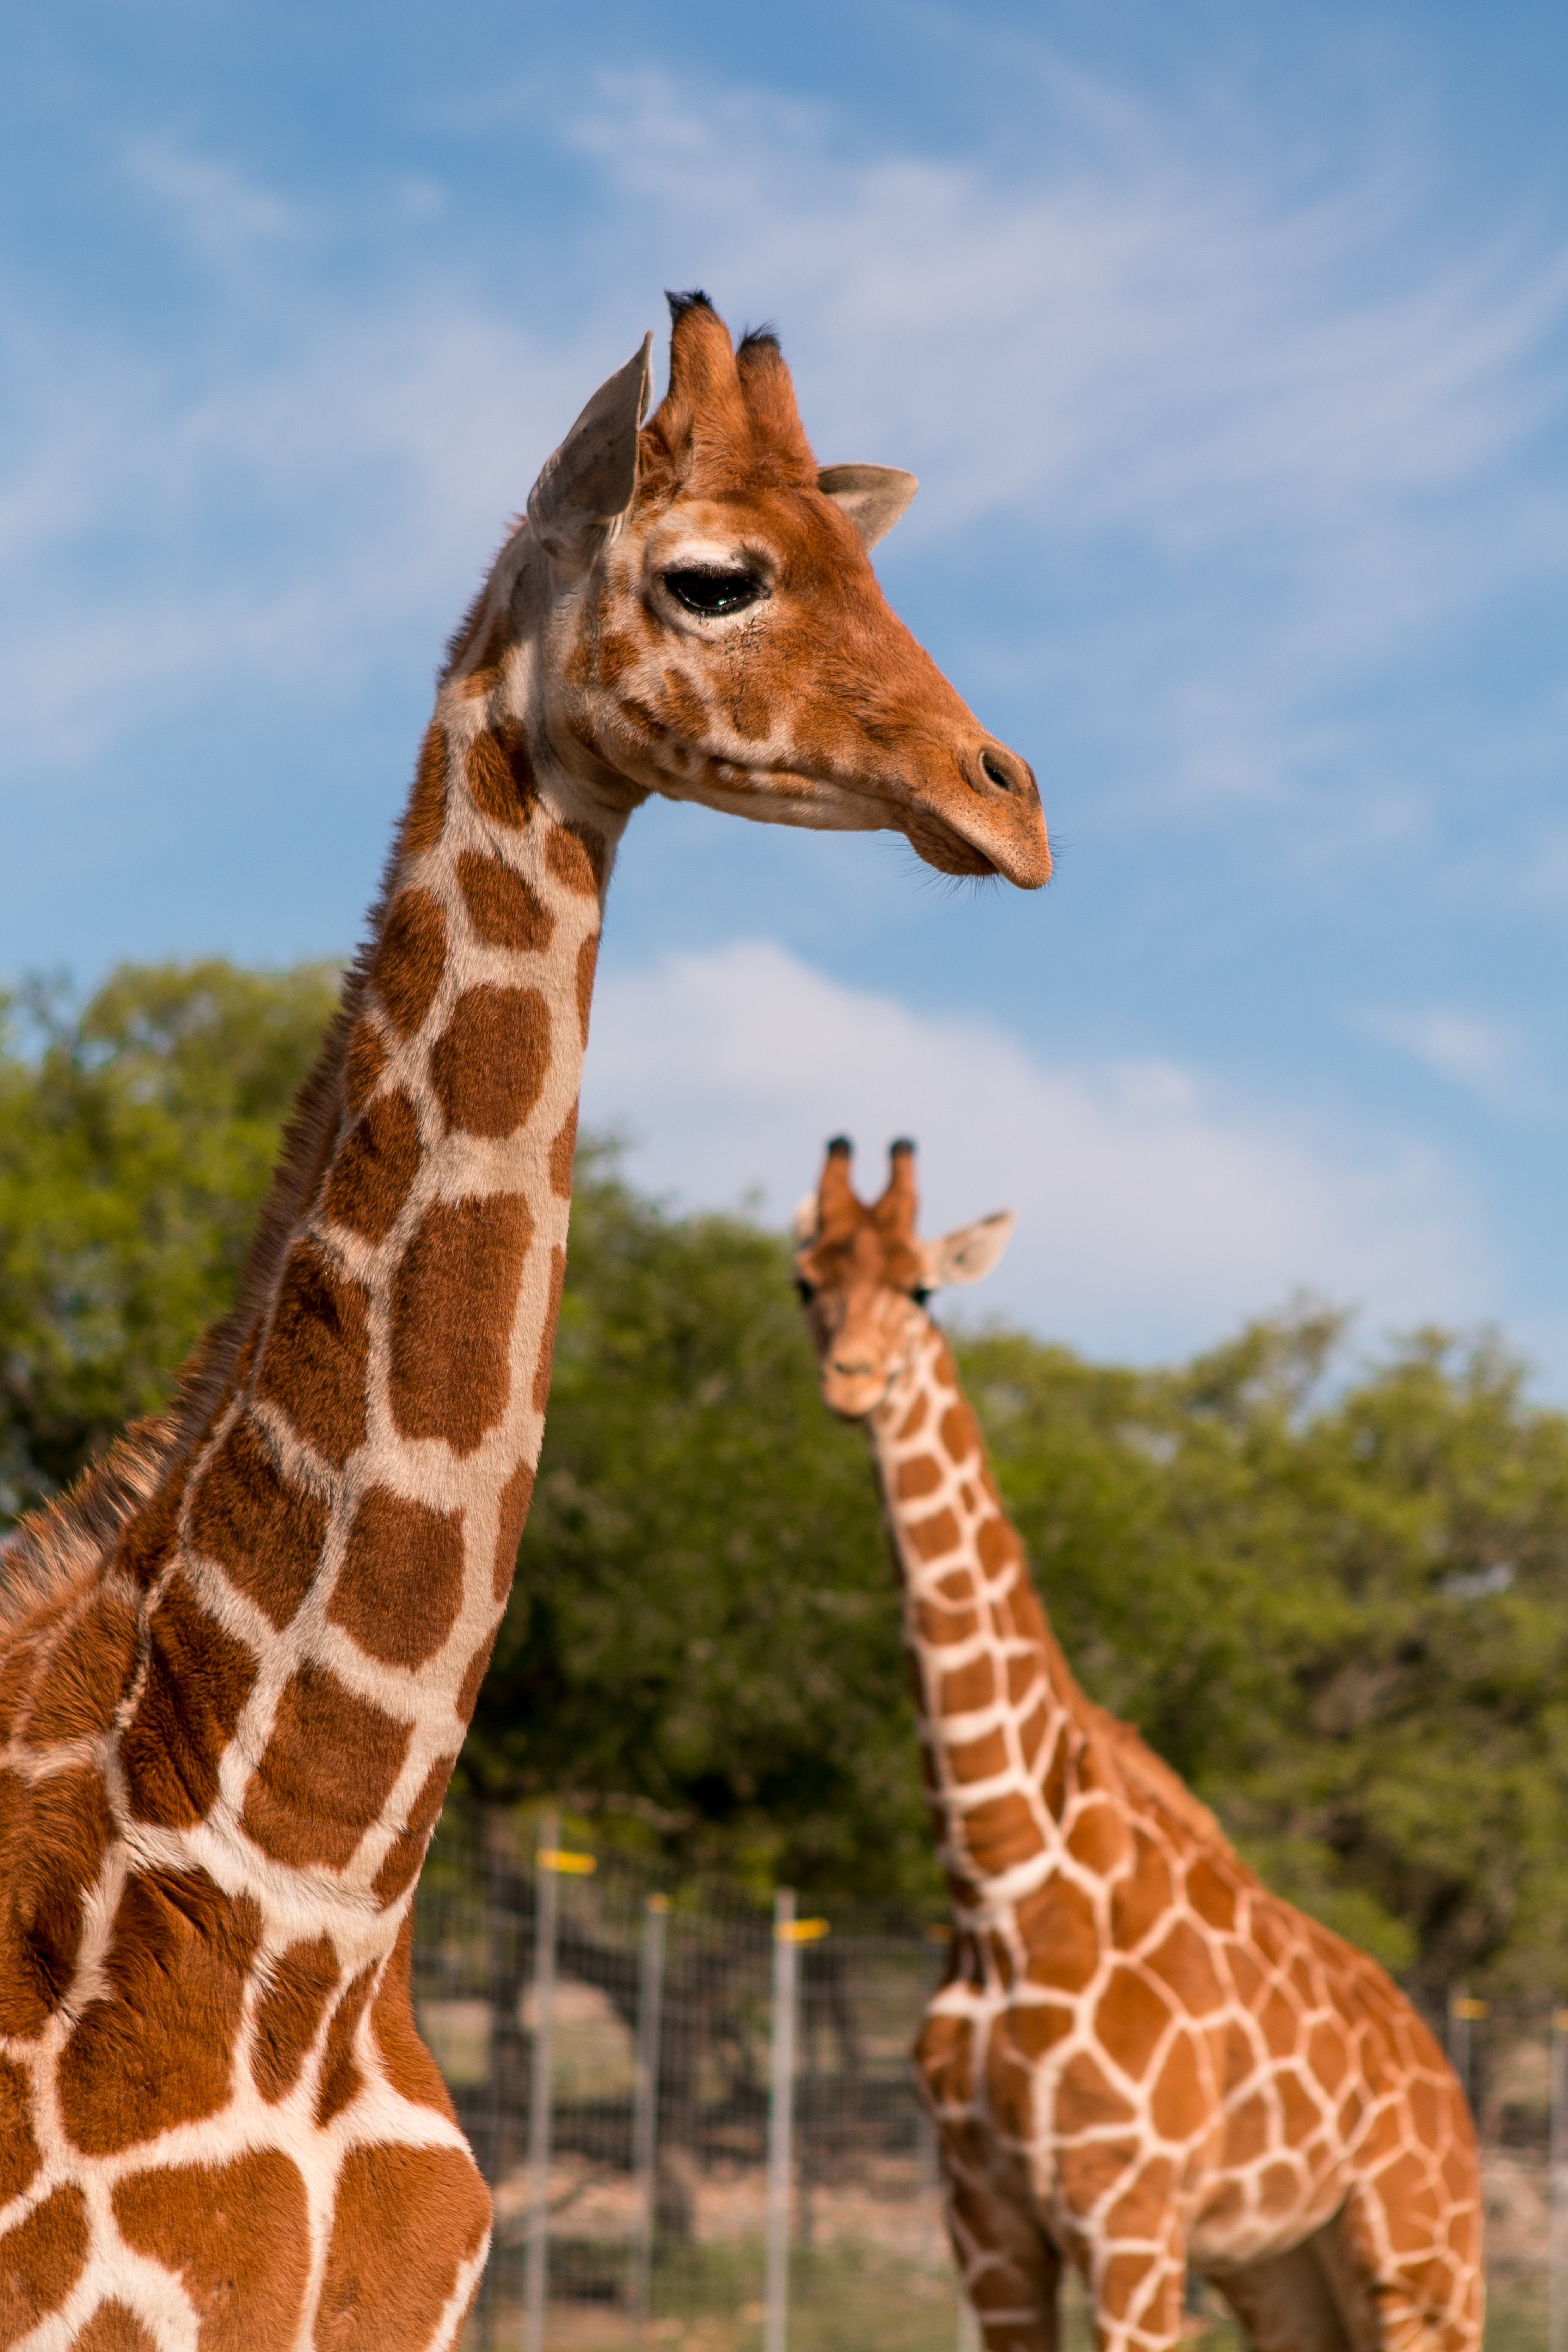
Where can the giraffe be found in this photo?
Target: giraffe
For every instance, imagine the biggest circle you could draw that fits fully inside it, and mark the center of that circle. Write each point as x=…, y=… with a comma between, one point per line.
x=238, y=1661
x=1140, y=2059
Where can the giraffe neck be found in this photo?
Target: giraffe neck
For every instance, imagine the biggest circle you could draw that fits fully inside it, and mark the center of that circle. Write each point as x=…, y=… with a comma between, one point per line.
x=1002, y=1721
x=338, y=1544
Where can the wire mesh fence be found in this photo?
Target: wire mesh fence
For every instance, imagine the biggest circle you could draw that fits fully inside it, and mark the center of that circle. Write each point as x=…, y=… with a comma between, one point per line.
x=699, y=2127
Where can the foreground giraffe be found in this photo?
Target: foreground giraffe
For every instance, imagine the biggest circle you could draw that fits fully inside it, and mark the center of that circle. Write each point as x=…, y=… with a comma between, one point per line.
x=1140, y=2060
x=240, y=1657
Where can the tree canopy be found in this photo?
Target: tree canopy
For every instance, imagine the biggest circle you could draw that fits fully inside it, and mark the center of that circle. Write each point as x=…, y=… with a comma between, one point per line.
x=1332, y=1591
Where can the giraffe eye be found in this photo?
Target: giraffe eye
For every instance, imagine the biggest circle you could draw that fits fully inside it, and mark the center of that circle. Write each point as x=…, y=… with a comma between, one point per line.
x=708, y=592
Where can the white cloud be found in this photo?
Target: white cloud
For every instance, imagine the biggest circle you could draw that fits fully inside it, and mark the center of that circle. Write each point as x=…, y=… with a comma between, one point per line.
x=1153, y=1212
x=1482, y=1056
x=220, y=213
x=272, y=521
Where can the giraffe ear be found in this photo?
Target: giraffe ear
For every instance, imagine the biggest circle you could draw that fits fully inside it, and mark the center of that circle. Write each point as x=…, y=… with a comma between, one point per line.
x=591, y=478
x=969, y=1251
x=802, y=1225
x=873, y=497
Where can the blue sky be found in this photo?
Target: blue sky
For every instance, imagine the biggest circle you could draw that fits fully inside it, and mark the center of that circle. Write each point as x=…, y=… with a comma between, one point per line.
x=1230, y=343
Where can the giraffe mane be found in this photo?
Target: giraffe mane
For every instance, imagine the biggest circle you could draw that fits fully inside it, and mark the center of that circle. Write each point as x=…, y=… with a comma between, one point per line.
x=60, y=1544
x=1154, y=1778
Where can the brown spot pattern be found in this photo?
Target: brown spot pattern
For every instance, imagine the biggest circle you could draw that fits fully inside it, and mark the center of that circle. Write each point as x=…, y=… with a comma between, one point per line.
x=327, y=1771
x=547, y=1337
x=401, y=1585
x=156, y=2049
x=198, y=1679
x=85, y=1679
x=427, y=811
x=54, y=1833
x=511, y=1520
x=406, y=1852
x=40, y=2262
x=405, y=2217
x=265, y=1533
x=587, y=961
x=410, y=2069
x=342, y=2076
x=489, y=1063
x=238, y=2236
x=374, y=1169
x=561, y=1153
x=288, y=2014
x=577, y=857
x=113, y=2328
x=410, y=959
x=363, y=1063
x=500, y=775
x=450, y=1376
x=503, y=908
x=318, y=1353
x=1001, y=1832
x=19, y=2157
x=473, y=1676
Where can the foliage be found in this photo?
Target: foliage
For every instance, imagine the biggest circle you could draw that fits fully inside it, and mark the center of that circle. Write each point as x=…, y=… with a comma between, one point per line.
x=135, y=1146
x=1341, y=1612
x=1333, y=1593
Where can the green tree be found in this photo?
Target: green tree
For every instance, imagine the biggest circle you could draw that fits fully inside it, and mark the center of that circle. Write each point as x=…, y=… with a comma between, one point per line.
x=1336, y=1598
x=135, y=1144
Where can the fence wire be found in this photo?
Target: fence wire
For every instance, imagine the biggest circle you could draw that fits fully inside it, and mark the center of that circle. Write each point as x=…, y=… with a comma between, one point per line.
x=699, y=2127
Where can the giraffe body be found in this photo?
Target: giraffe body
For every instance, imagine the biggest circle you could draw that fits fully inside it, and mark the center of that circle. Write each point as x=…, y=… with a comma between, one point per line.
x=236, y=1664
x=1140, y=2060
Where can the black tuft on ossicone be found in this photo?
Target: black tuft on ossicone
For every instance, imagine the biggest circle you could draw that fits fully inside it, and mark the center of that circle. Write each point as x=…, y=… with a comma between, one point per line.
x=902, y=1143
x=759, y=338
x=680, y=303
x=839, y=1143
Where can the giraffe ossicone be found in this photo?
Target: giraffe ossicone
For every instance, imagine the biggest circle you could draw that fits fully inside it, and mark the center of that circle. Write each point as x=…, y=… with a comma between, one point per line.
x=1141, y=2061
x=237, y=1660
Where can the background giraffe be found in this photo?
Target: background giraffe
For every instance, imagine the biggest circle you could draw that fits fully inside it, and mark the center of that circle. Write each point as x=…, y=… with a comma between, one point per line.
x=1140, y=2058
x=241, y=1656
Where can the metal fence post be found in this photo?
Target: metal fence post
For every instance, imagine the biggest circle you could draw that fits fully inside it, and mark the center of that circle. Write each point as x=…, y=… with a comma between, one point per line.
x=780, y=2101
x=968, y=2337
x=645, y=2112
x=1462, y=2012
x=536, y=2245
x=1557, y=2183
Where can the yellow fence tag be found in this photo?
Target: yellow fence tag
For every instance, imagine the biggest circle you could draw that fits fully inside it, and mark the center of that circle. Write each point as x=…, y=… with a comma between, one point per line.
x=801, y=1931
x=572, y=1865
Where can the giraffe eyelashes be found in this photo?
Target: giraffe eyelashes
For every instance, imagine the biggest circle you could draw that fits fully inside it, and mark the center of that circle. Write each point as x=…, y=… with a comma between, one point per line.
x=712, y=593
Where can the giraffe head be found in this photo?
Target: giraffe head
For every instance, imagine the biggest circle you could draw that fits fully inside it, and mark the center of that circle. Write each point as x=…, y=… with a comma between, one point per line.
x=865, y=1278
x=716, y=632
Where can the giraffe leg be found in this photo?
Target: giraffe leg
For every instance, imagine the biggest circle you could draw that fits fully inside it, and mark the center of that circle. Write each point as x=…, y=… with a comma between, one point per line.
x=1137, y=2288
x=1010, y=2270
x=1286, y=2304
x=1406, y=2276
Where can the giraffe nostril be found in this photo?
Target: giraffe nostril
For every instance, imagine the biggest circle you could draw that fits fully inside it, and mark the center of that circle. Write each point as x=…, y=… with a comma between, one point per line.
x=1005, y=772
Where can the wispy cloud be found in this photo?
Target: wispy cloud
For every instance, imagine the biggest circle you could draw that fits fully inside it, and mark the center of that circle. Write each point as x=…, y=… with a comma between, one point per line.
x=1484, y=1058
x=1154, y=1210
x=219, y=211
